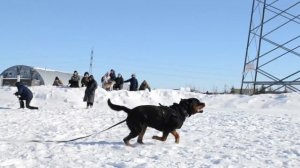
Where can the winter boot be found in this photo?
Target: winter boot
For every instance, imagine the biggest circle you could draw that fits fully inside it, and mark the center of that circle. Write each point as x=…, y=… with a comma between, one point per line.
x=21, y=104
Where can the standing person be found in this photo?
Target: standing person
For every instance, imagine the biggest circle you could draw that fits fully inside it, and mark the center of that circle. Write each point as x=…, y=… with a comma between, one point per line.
x=89, y=94
x=85, y=79
x=24, y=93
x=119, y=82
x=106, y=78
x=74, y=81
x=57, y=82
x=133, y=83
x=112, y=75
x=145, y=86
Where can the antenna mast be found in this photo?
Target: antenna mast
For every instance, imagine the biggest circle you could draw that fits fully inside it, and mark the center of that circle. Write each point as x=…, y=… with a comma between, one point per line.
x=91, y=62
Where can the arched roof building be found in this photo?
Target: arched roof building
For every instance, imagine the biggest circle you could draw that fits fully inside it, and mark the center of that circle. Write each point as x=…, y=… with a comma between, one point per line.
x=32, y=76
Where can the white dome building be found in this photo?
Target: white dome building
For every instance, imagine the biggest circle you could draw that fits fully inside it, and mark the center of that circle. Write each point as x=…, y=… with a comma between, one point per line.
x=32, y=76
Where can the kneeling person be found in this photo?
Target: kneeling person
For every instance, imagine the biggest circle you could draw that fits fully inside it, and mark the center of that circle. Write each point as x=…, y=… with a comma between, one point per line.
x=24, y=93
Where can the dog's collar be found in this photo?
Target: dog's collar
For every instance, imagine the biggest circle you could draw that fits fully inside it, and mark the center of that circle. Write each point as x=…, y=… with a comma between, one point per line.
x=178, y=108
x=182, y=110
x=186, y=114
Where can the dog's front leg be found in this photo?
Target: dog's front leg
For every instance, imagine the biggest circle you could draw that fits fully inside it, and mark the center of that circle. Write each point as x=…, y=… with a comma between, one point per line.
x=176, y=135
x=163, y=138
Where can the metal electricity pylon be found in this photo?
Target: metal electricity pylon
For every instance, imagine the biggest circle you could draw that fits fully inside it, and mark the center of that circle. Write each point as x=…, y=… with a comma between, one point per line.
x=272, y=60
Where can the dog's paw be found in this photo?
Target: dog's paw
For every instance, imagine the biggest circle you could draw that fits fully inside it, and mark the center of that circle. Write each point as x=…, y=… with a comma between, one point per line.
x=156, y=137
x=140, y=141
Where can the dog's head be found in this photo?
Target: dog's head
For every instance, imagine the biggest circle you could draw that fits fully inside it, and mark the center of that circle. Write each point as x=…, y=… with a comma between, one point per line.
x=192, y=105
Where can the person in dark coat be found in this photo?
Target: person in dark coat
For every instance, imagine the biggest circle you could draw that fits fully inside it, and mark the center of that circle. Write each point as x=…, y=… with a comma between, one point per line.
x=89, y=94
x=24, y=93
x=112, y=75
x=119, y=82
x=85, y=79
x=74, y=81
x=133, y=83
x=145, y=86
x=57, y=82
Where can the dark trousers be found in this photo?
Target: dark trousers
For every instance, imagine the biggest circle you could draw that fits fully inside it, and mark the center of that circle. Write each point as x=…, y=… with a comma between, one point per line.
x=27, y=104
x=89, y=104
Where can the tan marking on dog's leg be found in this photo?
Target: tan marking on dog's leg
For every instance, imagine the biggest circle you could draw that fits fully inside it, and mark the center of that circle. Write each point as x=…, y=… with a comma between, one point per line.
x=176, y=135
x=157, y=137
x=141, y=135
x=163, y=138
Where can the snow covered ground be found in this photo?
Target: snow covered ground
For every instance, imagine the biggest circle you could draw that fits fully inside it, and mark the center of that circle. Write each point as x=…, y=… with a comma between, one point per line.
x=234, y=131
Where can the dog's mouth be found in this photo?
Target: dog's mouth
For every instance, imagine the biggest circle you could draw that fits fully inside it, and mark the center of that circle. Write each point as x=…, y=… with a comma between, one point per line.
x=200, y=110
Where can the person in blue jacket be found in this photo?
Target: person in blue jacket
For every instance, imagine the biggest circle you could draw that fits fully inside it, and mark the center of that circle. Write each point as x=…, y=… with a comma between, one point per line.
x=133, y=83
x=24, y=93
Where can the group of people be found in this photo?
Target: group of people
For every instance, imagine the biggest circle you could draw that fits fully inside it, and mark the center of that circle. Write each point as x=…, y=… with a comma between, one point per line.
x=74, y=81
x=88, y=81
x=110, y=81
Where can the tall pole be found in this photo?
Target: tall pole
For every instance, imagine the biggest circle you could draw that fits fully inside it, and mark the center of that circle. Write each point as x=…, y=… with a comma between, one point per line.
x=91, y=62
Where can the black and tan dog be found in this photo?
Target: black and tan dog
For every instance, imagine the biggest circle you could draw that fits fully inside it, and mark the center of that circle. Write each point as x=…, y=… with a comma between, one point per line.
x=163, y=118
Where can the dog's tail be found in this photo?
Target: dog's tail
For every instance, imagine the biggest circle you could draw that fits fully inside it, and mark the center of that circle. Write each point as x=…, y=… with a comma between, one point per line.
x=117, y=107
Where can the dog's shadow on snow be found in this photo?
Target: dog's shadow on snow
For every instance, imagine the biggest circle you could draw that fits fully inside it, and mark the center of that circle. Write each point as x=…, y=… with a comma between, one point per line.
x=4, y=108
x=98, y=143
x=115, y=144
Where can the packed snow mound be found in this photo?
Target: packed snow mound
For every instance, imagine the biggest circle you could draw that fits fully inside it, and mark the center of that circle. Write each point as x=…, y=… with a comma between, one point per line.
x=233, y=131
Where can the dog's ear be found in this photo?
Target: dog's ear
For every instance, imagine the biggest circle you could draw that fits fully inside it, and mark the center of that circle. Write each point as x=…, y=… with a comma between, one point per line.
x=197, y=102
x=182, y=101
x=194, y=101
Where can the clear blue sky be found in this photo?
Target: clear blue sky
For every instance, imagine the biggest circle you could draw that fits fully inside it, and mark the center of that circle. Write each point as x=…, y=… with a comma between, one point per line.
x=170, y=43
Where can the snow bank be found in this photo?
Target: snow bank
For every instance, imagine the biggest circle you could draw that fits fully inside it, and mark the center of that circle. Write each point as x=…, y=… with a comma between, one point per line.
x=233, y=131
